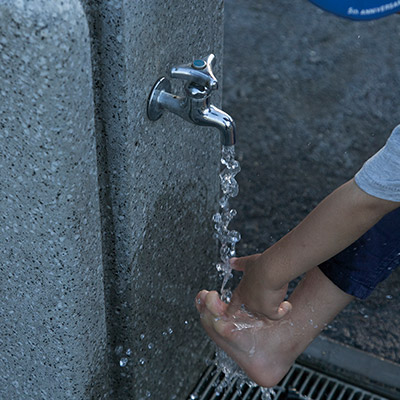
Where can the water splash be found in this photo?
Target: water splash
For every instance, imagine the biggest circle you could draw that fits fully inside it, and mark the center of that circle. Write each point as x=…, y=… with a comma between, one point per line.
x=227, y=238
x=232, y=375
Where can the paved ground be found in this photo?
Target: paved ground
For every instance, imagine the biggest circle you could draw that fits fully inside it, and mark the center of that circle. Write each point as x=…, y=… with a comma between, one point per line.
x=313, y=97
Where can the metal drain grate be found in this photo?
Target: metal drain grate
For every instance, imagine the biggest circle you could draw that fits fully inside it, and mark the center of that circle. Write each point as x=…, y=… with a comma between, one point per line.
x=309, y=384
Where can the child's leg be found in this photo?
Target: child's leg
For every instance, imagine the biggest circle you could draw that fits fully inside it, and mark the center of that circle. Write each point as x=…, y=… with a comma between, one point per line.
x=358, y=269
x=266, y=349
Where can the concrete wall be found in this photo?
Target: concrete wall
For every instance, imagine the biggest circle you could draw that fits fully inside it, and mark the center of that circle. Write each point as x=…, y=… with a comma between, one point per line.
x=106, y=234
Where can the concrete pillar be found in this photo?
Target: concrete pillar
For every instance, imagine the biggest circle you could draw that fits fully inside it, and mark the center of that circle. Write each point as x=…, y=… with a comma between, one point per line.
x=103, y=251
x=159, y=185
x=53, y=333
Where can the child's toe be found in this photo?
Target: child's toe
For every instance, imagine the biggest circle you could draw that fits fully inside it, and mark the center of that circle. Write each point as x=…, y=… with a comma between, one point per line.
x=215, y=305
x=200, y=300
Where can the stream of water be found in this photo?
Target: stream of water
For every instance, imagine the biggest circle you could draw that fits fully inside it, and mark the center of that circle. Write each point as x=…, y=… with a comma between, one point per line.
x=228, y=239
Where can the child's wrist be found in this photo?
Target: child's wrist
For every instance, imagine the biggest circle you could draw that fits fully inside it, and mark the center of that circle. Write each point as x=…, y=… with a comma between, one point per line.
x=271, y=271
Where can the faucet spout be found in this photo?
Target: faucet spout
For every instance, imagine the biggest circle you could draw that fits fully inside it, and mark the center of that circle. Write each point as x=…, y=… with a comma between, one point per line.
x=214, y=117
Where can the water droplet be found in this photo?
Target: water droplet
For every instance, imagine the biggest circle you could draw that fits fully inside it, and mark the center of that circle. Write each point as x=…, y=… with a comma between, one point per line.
x=148, y=394
x=142, y=336
x=150, y=346
x=217, y=217
x=186, y=322
x=389, y=297
x=142, y=361
x=123, y=361
x=223, y=201
x=170, y=331
x=128, y=352
x=266, y=393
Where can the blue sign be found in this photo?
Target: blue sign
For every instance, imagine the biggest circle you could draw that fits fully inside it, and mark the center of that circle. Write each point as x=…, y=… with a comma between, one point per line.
x=359, y=9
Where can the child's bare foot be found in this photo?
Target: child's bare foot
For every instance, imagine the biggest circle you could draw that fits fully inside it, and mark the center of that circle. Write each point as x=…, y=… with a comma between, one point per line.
x=265, y=349
x=260, y=347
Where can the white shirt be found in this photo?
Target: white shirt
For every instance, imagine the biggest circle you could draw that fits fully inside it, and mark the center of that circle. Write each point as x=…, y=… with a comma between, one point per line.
x=380, y=175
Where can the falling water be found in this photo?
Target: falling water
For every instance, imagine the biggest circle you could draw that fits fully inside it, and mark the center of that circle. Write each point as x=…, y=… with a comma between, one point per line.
x=228, y=239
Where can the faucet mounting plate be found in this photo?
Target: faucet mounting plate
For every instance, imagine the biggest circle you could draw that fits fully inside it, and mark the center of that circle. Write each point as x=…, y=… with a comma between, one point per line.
x=154, y=109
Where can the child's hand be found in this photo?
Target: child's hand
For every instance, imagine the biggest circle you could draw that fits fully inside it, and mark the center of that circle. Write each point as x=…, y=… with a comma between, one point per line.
x=254, y=292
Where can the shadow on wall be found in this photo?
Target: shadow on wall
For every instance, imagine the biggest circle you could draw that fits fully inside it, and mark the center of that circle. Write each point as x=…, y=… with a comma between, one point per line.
x=157, y=296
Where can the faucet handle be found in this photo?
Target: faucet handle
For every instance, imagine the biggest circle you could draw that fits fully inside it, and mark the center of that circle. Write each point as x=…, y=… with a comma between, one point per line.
x=198, y=72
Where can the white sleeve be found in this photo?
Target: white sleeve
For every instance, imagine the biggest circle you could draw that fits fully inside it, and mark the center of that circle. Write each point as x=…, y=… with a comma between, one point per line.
x=380, y=175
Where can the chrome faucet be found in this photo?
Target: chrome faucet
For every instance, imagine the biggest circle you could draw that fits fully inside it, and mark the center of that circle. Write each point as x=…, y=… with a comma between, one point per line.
x=195, y=107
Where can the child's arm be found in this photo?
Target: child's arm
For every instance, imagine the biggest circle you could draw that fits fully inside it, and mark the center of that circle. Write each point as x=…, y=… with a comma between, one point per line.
x=339, y=220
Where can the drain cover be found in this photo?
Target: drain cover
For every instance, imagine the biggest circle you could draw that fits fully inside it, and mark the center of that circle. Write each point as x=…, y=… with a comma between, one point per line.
x=300, y=383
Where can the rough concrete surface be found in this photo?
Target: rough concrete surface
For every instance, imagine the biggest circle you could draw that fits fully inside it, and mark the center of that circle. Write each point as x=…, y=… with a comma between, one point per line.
x=158, y=189
x=52, y=314
x=106, y=232
x=313, y=97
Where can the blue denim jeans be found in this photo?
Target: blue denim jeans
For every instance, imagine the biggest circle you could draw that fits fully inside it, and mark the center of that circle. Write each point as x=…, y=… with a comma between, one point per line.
x=358, y=269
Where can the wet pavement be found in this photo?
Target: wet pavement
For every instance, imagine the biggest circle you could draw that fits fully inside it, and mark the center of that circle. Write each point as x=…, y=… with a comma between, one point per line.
x=313, y=97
